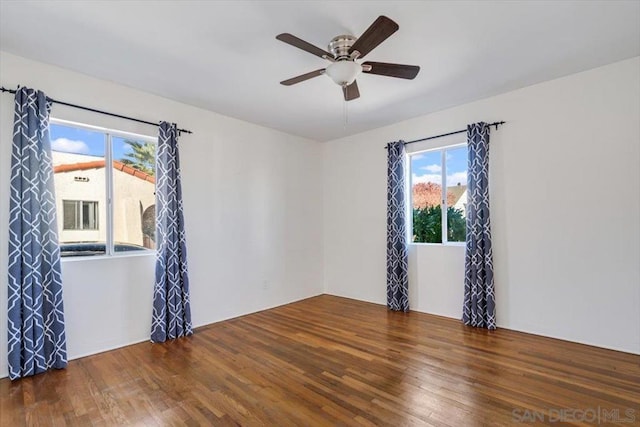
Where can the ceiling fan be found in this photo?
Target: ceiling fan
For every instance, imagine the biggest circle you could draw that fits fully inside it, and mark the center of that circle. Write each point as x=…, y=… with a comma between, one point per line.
x=345, y=50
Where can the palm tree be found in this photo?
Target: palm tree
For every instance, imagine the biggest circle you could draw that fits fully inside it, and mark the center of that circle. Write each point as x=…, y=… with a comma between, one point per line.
x=142, y=156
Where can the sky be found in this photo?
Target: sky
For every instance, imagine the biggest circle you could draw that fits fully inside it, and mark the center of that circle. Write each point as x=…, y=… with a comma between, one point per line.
x=82, y=141
x=427, y=166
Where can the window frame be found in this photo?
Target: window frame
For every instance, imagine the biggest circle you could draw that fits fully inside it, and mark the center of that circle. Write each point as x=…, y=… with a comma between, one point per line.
x=443, y=196
x=109, y=133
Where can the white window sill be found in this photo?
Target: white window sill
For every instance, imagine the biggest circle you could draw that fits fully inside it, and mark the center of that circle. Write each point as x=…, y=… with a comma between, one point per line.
x=105, y=257
x=454, y=244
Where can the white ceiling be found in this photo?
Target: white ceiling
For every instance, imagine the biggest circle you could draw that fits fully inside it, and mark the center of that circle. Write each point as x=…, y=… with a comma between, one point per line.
x=223, y=56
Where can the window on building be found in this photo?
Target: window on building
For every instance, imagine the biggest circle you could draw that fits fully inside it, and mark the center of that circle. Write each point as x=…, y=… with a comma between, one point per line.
x=438, y=196
x=103, y=210
x=79, y=215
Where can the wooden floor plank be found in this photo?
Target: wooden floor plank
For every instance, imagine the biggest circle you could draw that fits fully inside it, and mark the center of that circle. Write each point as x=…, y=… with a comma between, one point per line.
x=334, y=361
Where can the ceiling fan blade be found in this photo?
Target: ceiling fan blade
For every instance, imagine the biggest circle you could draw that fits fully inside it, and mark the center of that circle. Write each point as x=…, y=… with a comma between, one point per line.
x=378, y=32
x=392, y=70
x=301, y=44
x=351, y=92
x=303, y=77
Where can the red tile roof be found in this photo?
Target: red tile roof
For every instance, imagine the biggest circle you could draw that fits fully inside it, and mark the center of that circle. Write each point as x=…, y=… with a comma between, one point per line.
x=97, y=164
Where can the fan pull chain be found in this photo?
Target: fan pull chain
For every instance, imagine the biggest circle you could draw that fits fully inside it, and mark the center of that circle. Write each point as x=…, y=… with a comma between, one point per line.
x=345, y=111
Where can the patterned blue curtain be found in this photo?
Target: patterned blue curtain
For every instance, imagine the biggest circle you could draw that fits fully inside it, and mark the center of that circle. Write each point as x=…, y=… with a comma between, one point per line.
x=171, y=307
x=35, y=312
x=397, y=258
x=479, y=297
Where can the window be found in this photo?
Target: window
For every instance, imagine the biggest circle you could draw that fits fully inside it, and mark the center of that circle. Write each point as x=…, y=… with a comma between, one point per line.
x=103, y=210
x=438, y=196
x=79, y=215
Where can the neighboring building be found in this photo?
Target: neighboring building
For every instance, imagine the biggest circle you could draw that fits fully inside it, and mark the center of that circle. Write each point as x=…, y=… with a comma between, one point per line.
x=81, y=201
x=457, y=196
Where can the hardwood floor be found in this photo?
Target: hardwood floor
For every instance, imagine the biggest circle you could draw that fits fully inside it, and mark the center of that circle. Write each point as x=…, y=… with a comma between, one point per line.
x=335, y=361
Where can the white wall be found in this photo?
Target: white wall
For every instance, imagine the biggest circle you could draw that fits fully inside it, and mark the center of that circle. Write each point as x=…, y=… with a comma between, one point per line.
x=253, y=209
x=565, y=206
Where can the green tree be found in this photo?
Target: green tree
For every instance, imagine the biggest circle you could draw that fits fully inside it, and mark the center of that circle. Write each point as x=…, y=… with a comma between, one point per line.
x=142, y=156
x=427, y=225
x=456, y=225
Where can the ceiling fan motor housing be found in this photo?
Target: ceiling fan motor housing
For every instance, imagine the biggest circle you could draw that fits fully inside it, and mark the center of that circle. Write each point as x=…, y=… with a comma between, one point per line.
x=339, y=46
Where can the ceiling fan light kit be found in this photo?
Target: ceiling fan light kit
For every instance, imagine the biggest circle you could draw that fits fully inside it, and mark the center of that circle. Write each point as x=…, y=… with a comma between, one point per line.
x=344, y=51
x=343, y=73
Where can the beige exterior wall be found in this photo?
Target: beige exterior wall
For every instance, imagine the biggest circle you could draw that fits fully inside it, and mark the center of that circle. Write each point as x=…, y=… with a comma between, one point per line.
x=132, y=196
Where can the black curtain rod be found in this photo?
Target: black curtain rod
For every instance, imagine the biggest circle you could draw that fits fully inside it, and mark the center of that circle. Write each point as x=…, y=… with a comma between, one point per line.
x=106, y=113
x=496, y=124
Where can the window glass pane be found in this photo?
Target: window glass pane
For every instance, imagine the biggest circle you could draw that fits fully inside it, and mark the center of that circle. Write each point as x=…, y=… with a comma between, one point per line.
x=85, y=216
x=94, y=215
x=69, y=214
x=426, y=196
x=456, y=159
x=89, y=215
x=78, y=163
x=134, y=199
